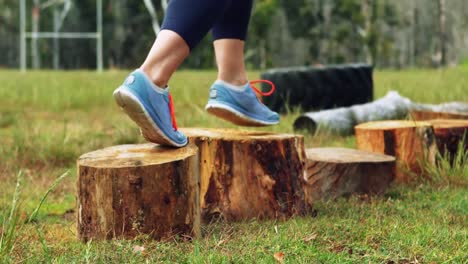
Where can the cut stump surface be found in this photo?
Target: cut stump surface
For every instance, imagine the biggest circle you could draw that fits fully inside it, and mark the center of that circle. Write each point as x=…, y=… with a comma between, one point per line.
x=412, y=143
x=127, y=190
x=249, y=174
x=335, y=172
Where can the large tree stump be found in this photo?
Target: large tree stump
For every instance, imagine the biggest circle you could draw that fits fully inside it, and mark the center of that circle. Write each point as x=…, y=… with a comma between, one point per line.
x=127, y=190
x=335, y=172
x=412, y=143
x=449, y=134
x=246, y=174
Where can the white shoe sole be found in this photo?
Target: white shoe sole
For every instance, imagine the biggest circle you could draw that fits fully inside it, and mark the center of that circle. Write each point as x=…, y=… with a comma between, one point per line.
x=135, y=110
x=232, y=115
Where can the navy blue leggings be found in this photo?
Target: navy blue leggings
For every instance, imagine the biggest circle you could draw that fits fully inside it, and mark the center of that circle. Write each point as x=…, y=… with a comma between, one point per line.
x=228, y=19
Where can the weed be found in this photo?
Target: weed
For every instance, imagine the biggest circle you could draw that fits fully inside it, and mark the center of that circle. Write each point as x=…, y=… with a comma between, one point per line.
x=449, y=169
x=33, y=215
x=10, y=224
x=13, y=225
x=45, y=248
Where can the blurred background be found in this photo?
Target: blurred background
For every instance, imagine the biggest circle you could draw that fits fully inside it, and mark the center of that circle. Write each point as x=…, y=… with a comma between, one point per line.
x=384, y=33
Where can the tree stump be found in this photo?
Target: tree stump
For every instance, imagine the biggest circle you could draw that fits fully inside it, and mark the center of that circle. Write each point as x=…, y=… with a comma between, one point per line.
x=429, y=115
x=335, y=172
x=246, y=174
x=127, y=190
x=449, y=134
x=412, y=143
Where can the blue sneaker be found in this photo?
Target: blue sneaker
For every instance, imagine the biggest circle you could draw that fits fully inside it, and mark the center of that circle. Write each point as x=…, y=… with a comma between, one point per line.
x=241, y=107
x=151, y=108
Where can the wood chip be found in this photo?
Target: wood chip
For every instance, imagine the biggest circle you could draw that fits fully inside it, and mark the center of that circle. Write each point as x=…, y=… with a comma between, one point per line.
x=279, y=256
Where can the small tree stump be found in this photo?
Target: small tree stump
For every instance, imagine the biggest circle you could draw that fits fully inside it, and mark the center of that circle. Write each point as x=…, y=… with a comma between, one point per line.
x=246, y=174
x=335, y=172
x=412, y=143
x=429, y=115
x=127, y=190
x=449, y=134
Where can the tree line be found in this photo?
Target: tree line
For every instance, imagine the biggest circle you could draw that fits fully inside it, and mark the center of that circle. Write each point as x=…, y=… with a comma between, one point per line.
x=384, y=33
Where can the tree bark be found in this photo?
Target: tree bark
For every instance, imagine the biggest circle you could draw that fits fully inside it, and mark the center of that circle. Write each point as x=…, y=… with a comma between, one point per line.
x=412, y=143
x=335, y=172
x=366, y=13
x=247, y=174
x=128, y=190
x=342, y=120
x=450, y=134
x=415, y=37
x=442, y=32
x=428, y=115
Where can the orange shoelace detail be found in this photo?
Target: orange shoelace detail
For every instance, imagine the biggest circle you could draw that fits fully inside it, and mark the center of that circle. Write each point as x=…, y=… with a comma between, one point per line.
x=259, y=90
x=171, y=110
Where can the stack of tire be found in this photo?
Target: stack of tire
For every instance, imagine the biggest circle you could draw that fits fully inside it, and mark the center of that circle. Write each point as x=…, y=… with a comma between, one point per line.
x=316, y=88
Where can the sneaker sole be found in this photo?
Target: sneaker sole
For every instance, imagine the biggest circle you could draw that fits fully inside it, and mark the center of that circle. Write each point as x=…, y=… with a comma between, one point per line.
x=232, y=115
x=136, y=111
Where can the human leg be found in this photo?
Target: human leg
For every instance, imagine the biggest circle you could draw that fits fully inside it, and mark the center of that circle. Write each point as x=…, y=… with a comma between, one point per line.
x=167, y=53
x=185, y=24
x=144, y=95
x=230, y=60
x=229, y=34
x=232, y=97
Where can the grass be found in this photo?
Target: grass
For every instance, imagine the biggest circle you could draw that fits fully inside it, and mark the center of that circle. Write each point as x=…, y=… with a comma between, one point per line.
x=9, y=225
x=447, y=169
x=48, y=119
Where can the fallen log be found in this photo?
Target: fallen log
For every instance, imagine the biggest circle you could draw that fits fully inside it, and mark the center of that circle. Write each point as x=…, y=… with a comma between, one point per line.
x=322, y=87
x=247, y=174
x=412, y=143
x=128, y=190
x=335, y=172
x=391, y=107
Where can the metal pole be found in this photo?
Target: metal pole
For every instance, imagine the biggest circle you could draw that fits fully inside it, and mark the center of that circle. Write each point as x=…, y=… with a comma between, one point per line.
x=22, y=36
x=35, y=28
x=64, y=35
x=99, y=37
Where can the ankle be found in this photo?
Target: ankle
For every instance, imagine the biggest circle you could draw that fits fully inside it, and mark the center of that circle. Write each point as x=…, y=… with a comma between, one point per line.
x=237, y=80
x=155, y=76
x=230, y=86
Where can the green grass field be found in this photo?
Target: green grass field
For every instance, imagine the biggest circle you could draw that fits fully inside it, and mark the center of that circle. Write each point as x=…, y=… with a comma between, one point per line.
x=48, y=119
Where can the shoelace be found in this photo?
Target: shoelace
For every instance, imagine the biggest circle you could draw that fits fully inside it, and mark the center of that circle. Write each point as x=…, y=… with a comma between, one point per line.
x=260, y=91
x=171, y=110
